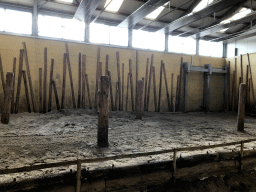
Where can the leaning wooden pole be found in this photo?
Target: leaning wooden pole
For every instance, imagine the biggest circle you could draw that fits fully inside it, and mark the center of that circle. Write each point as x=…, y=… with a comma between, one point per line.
x=103, y=112
x=127, y=91
x=241, y=107
x=45, y=80
x=119, y=81
x=149, y=81
x=63, y=82
x=111, y=91
x=146, y=86
x=14, y=74
x=160, y=86
x=83, y=80
x=88, y=91
x=2, y=73
x=154, y=87
x=166, y=87
x=179, y=94
x=50, y=87
x=249, y=63
x=5, y=116
x=56, y=94
x=79, y=80
x=139, y=94
x=131, y=83
x=242, y=73
x=122, y=100
x=26, y=90
x=97, y=79
x=172, y=93
x=19, y=82
x=40, y=90
x=137, y=75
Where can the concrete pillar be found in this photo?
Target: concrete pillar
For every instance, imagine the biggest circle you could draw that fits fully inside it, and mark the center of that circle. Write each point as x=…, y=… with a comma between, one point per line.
x=241, y=107
x=166, y=47
x=35, y=19
x=130, y=34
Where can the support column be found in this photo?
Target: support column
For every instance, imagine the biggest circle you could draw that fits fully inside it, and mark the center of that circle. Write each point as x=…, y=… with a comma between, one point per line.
x=241, y=107
x=103, y=112
x=225, y=48
x=130, y=34
x=166, y=42
x=197, y=46
x=87, y=28
x=139, y=106
x=35, y=19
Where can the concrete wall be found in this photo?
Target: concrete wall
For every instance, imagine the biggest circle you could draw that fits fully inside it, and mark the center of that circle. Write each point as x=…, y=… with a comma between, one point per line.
x=10, y=46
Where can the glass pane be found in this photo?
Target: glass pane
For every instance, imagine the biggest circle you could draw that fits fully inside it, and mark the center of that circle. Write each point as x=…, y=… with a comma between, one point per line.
x=156, y=41
x=72, y=29
x=175, y=44
x=2, y=23
x=99, y=33
x=189, y=46
x=49, y=26
x=208, y=48
x=18, y=22
x=119, y=36
x=140, y=39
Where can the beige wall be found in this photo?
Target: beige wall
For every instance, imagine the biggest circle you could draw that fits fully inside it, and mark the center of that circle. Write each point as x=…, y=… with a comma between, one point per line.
x=10, y=46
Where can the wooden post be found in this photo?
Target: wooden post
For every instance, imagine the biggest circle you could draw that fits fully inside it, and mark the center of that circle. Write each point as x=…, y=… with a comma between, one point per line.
x=83, y=80
x=19, y=82
x=131, y=83
x=5, y=117
x=26, y=90
x=177, y=94
x=14, y=74
x=166, y=87
x=111, y=92
x=149, y=80
x=56, y=94
x=116, y=97
x=63, y=82
x=122, y=100
x=242, y=73
x=234, y=91
x=127, y=92
x=40, y=90
x=79, y=80
x=154, y=86
x=174, y=162
x=45, y=80
x=139, y=106
x=241, y=107
x=103, y=112
x=250, y=69
x=88, y=91
x=2, y=72
x=119, y=80
x=172, y=95
x=78, y=176
x=106, y=67
x=146, y=86
x=50, y=87
x=97, y=78
x=160, y=86
x=137, y=75
x=247, y=83
x=99, y=75
x=241, y=155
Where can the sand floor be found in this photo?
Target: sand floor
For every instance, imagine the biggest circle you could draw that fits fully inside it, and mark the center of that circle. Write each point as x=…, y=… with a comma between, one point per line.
x=31, y=139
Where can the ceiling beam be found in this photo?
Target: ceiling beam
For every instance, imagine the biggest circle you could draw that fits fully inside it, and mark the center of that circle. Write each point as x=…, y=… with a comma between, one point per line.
x=86, y=9
x=141, y=12
x=246, y=34
x=186, y=20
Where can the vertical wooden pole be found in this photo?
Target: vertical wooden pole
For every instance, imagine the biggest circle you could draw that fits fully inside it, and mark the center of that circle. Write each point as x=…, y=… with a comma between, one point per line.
x=241, y=107
x=160, y=86
x=122, y=100
x=34, y=104
x=88, y=91
x=111, y=91
x=70, y=76
x=103, y=112
x=249, y=93
x=234, y=91
x=166, y=87
x=56, y=94
x=116, y=97
x=146, y=86
x=40, y=90
x=131, y=82
x=79, y=79
x=45, y=80
x=127, y=92
x=97, y=79
x=250, y=69
x=172, y=93
x=99, y=75
x=119, y=80
x=154, y=86
x=50, y=87
x=247, y=83
x=83, y=80
x=139, y=99
x=26, y=90
x=19, y=82
x=63, y=82
x=106, y=67
x=177, y=94
x=78, y=176
x=2, y=73
x=174, y=161
x=242, y=73
x=149, y=81
x=137, y=75
x=241, y=155
x=14, y=74
x=5, y=116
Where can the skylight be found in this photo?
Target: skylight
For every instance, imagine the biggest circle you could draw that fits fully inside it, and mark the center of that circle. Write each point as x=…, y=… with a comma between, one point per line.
x=153, y=15
x=202, y=5
x=66, y=1
x=114, y=5
x=223, y=30
x=242, y=13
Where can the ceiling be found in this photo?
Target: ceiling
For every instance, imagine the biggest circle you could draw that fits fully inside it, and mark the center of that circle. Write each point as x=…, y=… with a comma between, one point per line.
x=175, y=18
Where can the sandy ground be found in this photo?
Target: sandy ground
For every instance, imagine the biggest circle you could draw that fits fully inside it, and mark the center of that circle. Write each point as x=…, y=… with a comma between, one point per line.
x=64, y=135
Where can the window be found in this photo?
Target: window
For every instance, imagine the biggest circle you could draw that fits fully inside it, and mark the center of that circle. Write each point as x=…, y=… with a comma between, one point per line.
x=99, y=33
x=60, y=27
x=208, y=48
x=118, y=36
x=156, y=41
x=182, y=45
x=15, y=21
x=140, y=39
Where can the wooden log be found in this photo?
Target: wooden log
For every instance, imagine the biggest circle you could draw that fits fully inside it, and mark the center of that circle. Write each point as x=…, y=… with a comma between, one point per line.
x=172, y=95
x=88, y=90
x=241, y=107
x=79, y=80
x=247, y=83
x=70, y=76
x=50, y=87
x=233, y=91
x=19, y=81
x=242, y=73
x=63, y=81
x=45, y=80
x=2, y=73
x=56, y=94
x=137, y=75
x=26, y=90
x=146, y=86
x=106, y=67
x=111, y=91
x=131, y=83
x=119, y=80
x=97, y=79
x=250, y=69
x=139, y=94
x=154, y=86
x=122, y=100
x=166, y=87
x=249, y=93
x=40, y=90
x=14, y=74
x=99, y=75
x=177, y=94
x=34, y=104
x=5, y=116
x=116, y=97
x=103, y=112
x=127, y=91
x=83, y=80
x=78, y=175
x=149, y=81
x=174, y=162
x=160, y=86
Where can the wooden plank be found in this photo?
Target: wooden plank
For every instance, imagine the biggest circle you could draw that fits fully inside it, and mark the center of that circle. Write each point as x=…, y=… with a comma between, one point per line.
x=167, y=91
x=26, y=90
x=79, y=79
x=131, y=83
x=88, y=91
x=111, y=91
x=5, y=115
x=137, y=75
x=154, y=86
x=2, y=73
x=241, y=107
x=70, y=76
x=103, y=112
x=250, y=69
x=34, y=104
x=242, y=73
x=172, y=93
x=83, y=80
x=119, y=80
x=56, y=94
x=97, y=79
x=19, y=81
x=139, y=99
x=50, y=87
x=14, y=74
x=149, y=82
x=45, y=80
x=160, y=86
x=233, y=90
x=40, y=90
x=122, y=100
x=106, y=67
x=127, y=91
x=78, y=175
x=63, y=81
x=146, y=86
x=177, y=94
x=116, y=97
